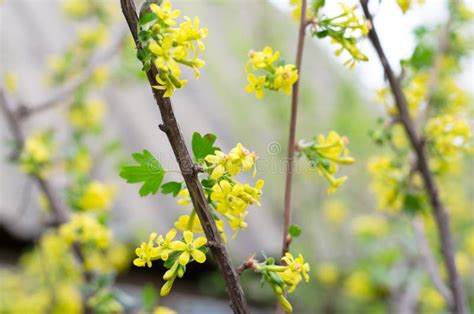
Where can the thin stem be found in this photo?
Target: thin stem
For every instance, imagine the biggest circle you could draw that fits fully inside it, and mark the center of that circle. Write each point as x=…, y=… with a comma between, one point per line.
x=429, y=260
x=190, y=174
x=292, y=133
x=442, y=219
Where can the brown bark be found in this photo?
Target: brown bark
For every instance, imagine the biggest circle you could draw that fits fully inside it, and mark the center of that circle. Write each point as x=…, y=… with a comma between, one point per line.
x=190, y=174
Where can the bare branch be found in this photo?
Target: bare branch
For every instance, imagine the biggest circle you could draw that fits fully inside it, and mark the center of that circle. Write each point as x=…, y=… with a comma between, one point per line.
x=441, y=217
x=292, y=133
x=218, y=250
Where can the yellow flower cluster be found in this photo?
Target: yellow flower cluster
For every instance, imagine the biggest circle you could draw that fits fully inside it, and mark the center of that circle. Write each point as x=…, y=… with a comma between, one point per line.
x=370, y=226
x=387, y=176
x=283, y=277
x=416, y=91
x=176, y=253
x=448, y=135
x=169, y=47
x=405, y=5
x=276, y=76
x=325, y=154
x=229, y=197
x=232, y=198
x=359, y=286
x=50, y=266
x=296, y=13
x=327, y=274
x=97, y=196
x=344, y=29
x=80, y=162
x=334, y=211
x=36, y=156
x=192, y=223
x=239, y=158
x=80, y=9
x=86, y=230
x=87, y=116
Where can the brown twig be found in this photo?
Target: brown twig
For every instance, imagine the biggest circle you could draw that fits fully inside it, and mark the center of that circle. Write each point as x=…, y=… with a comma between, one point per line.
x=292, y=133
x=65, y=91
x=170, y=125
x=441, y=217
x=429, y=260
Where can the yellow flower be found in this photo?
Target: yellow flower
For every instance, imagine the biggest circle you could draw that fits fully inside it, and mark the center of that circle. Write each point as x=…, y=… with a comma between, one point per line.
x=285, y=77
x=463, y=264
x=387, y=177
x=165, y=56
x=163, y=310
x=325, y=154
x=76, y=8
x=84, y=229
x=185, y=200
x=238, y=158
x=189, y=248
x=370, y=226
x=164, y=244
x=97, y=196
x=100, y=75
x=147, y=252
x=327, y=274
x=296, y=271
x=264, y=58
x=10, y=82
x=168, y=85
x=449, y=135
x=87, y=116
x=432, y=300
x=35, y=157
x=189, y=31
x=92, y=36
x=359, y=286
x=227, y=197
x=256, y=84
x=183, y=224
x=165, y=12
x=334, y=211
x=81, y=162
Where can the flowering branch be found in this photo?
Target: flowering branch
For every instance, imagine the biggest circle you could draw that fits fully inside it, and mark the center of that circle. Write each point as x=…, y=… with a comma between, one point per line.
x=292, y=133
x=188, y=170
x=441, y=217
x=8, y=107
x=67, y=89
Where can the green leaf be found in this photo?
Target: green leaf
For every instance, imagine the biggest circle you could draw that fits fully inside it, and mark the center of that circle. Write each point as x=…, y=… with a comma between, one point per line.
x=413, y=203
x=171, y=187
x=149, y=297
x=322, y=34
x=149, y=171
x=295, y=231
x=147, y=18
x=208, y=183
x=203, y=145
x=423, y=56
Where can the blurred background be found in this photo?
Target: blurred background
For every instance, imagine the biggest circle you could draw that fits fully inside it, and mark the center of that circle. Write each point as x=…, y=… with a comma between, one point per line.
x=35, y=36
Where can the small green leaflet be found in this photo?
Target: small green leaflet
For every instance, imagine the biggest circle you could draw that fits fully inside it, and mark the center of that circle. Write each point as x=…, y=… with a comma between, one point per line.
x=171, y=187
x=149, y=171
x=295, y=231
x=203, y=145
